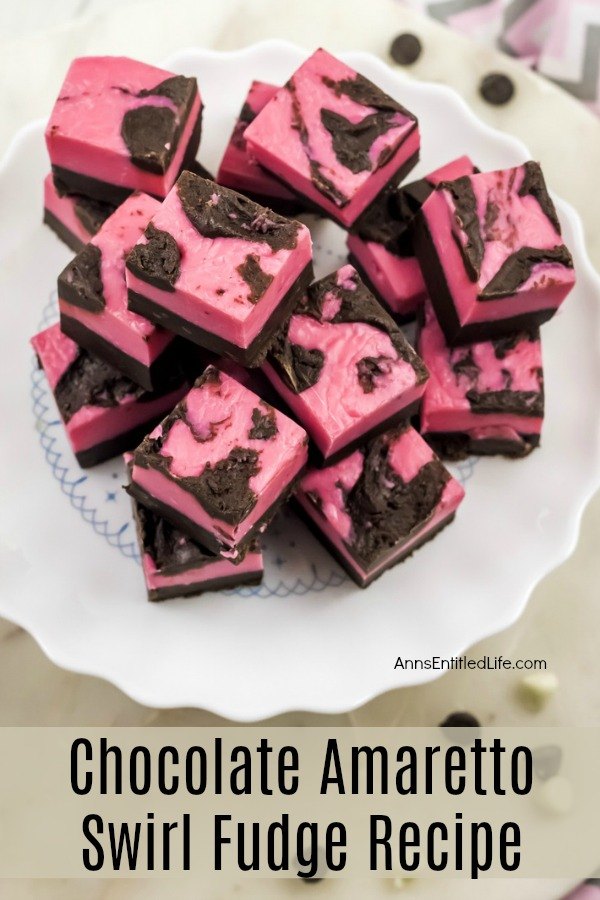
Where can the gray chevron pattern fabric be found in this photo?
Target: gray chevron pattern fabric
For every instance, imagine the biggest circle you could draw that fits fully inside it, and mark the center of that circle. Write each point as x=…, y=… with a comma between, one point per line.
x=559, y=38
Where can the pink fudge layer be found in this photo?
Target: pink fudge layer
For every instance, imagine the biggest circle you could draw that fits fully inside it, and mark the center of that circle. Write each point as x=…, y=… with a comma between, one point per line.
x=97, y=403
x=214, y=568
x=334, y=137
x=490, y=387
x=462, y=165
x=398, y=280
x=239, y=170
x=222, y=459
x=381, y=243
x=92, y=288
x=232, y=261
x=174, y=565
x=376, y=505
x=124, y=123
x=498, y=241
x=79, y=216
x=342, y=364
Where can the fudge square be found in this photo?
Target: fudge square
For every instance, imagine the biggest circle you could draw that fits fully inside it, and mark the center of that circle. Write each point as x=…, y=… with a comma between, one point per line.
x=104, y=413
x=92, y=298
x=119, y=125
x=334, y=137
x=485, y=397
x=377, y=505
x=240, y=171
x=75, y=219
x=219, y=466
x=343, y=366
x=217, y=268
x=176, y=566
x=491, y=251
x=380, y=245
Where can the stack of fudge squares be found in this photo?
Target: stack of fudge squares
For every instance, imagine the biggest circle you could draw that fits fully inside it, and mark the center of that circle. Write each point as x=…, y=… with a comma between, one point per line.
x=194, y=339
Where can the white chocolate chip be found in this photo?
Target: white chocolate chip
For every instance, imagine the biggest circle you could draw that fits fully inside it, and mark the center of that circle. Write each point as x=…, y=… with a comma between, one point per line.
x=536, y=689
x=555, y=796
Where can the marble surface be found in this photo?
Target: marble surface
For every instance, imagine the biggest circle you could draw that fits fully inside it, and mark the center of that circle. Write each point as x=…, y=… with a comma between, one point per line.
x=562, y=620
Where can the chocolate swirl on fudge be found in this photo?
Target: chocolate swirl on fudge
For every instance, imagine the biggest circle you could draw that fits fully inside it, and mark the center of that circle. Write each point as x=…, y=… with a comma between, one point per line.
x=151, y=133
x=264, y=425
x=383, y=508
x=222, y=488
x=157, y=261
x=359, y=305
x=171, y=550
x=363, y=91
x=178, y=89
x=504, y=345
x=257, y=280
x=368, y=369
x=217, y=212
x=352, y=141
x=519, y=267
x=464, y=366
x=300, y=368
x=525, y=403
x=534, y=184
x=89, y=381
x=465, y=205
x=384, y=222
x=80, y=282
x=321, y=182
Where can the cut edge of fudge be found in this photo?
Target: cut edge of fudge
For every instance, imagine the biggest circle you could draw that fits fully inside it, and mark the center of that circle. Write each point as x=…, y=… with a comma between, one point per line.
x=325, y=540
x=152, y=119
x=399, y=318
x=155, y=263
x=490, y=431
x=380, y=497
x=146, y=456
x=251, y=356
x=455, y=333
x=512, y=274
x=351, y=142
x=153, y=530
x=149, y=377
x=456, y=446
x=87, y=381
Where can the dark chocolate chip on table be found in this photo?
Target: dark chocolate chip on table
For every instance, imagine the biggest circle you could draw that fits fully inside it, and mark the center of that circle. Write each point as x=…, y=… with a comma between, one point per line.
x=406, y=49
x=497, y=88
x=461, y=727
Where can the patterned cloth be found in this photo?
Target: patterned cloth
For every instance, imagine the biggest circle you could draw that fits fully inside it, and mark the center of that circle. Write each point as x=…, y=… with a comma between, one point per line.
x=559, y=38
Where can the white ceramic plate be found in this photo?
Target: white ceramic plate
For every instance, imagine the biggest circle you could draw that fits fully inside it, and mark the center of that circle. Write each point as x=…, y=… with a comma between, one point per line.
x=307, y=638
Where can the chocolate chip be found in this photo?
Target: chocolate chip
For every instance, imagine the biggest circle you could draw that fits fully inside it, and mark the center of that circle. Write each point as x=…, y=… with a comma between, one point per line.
x=497, y=88
x=546, y=761
x=453, y=727
x=406, y=49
